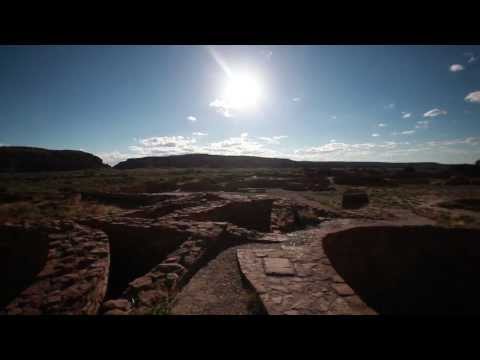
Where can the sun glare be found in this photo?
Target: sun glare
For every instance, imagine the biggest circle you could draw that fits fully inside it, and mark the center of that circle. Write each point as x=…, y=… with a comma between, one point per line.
x=243, y=91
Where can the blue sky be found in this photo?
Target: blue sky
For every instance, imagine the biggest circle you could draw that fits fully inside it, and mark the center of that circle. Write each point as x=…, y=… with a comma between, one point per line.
x=354, y=103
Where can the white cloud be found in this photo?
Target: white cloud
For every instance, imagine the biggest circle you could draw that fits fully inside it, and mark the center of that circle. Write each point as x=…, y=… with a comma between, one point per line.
x=222, y=107
x=177, y=145
x=473, y=97
x=446, y=151
x=114, y=157
x=471, y=57
x=454, y=150
x=242, y=145
x=424, y=124
x=406, y=115
x=167, y=141
x=456, y=67
x=467, y=141
x=272, y=140
x=192, y=118
x=375, y=135
x=435, y=112
x=408, y=132
x=296, y=99
x=382, y=125
x=345, y=152
x=199, y=134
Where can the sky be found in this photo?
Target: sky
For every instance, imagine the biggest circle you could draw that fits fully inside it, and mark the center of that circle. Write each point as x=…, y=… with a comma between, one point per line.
x=328, y=103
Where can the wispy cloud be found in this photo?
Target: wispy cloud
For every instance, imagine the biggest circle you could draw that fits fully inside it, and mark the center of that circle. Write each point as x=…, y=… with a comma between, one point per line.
x=167, y=141
x=192, y=118
x=406, y=115
x=467, y=141
x=435, y=112
x=408, y=132
x=267, y=54
x=389, y=106
x=471, y=57
x=222, y=107
x=456, y=67
x=296, y=99
x=423, y=124
x=473, y=97
x=199, y=134
x=455, y=150
x=382, y=125
x=344, y=151
x=375, y=135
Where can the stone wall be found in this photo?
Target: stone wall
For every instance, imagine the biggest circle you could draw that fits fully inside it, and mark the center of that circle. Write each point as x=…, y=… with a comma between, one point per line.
x=23, y=253
x=74, y=278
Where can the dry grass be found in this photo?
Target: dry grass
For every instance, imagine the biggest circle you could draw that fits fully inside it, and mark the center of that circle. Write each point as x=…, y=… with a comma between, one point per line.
x=48, y=209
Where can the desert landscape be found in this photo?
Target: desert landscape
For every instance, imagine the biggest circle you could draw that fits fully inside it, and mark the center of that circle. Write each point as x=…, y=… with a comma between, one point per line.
x=218, y=235
x=281, y=179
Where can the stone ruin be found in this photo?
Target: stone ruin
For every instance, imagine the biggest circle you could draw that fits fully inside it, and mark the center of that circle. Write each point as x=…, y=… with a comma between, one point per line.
x=64, y=272
x=409, y=269
x=136, y=261
x=366, y=268
x=132, y=262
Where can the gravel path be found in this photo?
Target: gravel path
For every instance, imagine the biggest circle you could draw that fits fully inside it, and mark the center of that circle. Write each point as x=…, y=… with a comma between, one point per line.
x=218, y=289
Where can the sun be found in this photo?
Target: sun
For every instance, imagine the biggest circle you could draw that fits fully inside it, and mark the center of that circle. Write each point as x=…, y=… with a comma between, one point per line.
x=243, y=90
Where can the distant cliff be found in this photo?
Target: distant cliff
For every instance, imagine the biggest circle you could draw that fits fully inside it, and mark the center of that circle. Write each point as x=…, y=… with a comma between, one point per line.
x=203, y=160
x=230, y=161
x=24, y=159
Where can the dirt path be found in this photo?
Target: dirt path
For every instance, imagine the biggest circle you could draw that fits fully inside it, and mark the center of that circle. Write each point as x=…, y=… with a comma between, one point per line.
x=218, y=289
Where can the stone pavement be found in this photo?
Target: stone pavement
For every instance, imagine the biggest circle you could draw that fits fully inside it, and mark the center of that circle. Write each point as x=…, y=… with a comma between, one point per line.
x=300, y=280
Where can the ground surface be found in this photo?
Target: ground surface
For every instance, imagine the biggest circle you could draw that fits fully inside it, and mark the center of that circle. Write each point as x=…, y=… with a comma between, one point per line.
x=230, y=295
x=238, y=279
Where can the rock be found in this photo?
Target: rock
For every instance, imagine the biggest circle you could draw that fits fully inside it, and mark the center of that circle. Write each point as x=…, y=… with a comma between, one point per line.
x=343, y=289
x=171, y=280
x=354, y=199
x=170, y=267
x=150, y=297
x=140, y=283
x=116, y=312
x=120, y=304
x=278, y=267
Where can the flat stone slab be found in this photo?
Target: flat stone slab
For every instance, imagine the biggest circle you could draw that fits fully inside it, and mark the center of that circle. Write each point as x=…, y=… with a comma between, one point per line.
x=278, y=267
x=297, y=282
